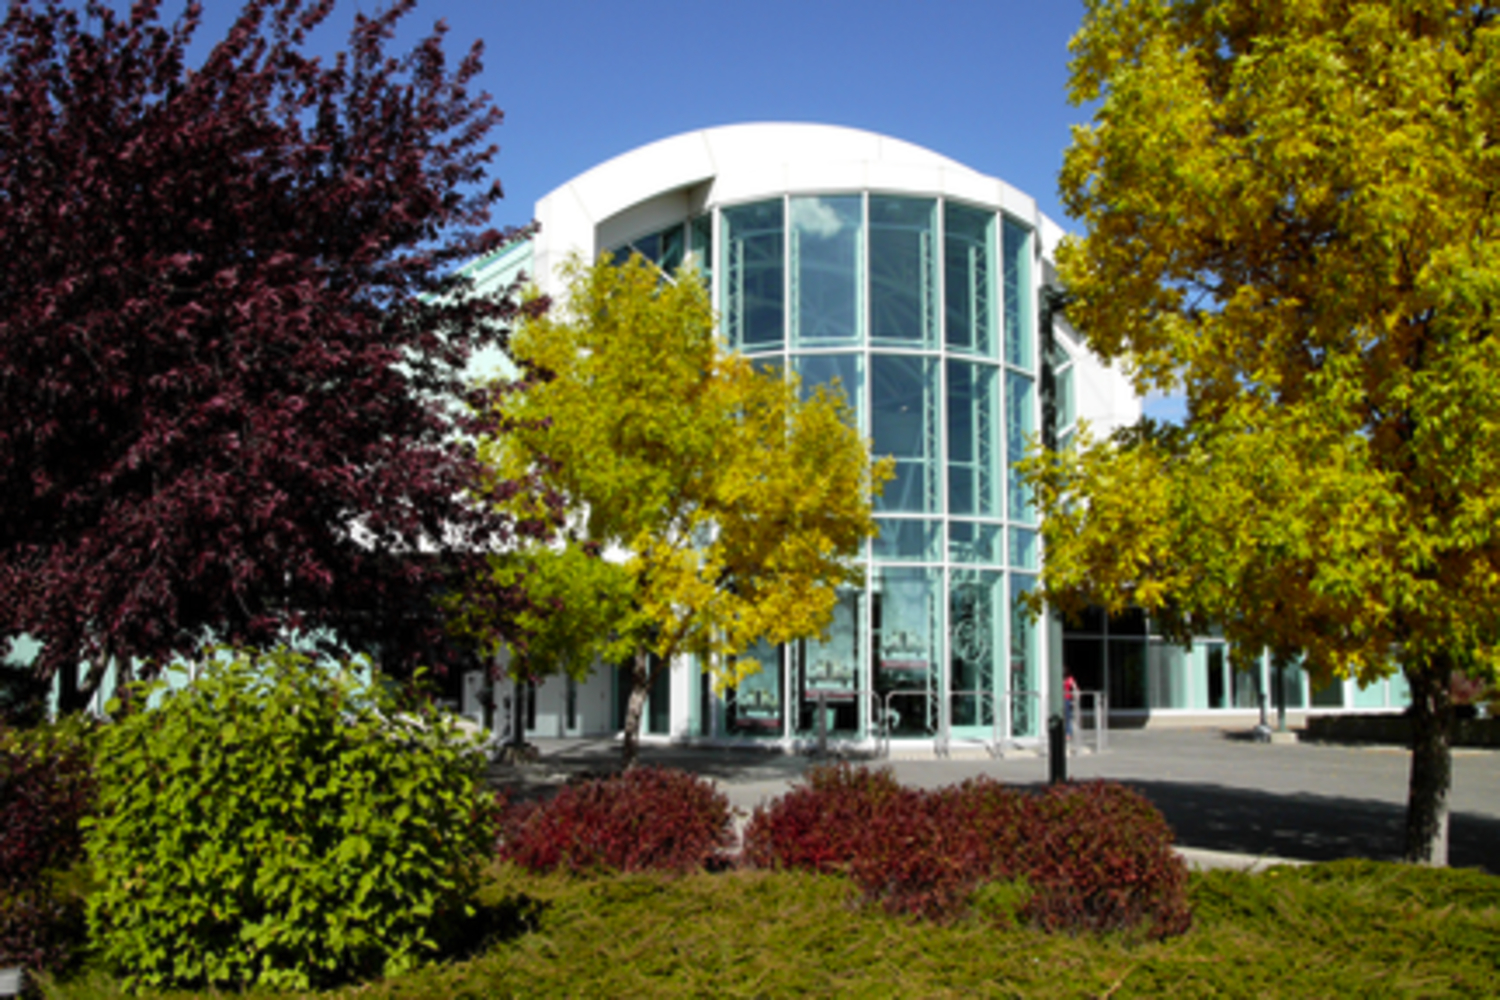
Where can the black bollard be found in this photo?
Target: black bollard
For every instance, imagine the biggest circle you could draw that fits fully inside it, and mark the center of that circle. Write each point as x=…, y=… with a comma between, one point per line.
x=1057, y=750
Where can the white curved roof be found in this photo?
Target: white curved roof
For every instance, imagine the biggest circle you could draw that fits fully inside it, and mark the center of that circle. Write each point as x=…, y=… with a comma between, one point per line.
x=686, y=173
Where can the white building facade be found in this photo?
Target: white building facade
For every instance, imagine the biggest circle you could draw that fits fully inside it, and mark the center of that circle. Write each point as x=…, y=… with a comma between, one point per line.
x=922, y=287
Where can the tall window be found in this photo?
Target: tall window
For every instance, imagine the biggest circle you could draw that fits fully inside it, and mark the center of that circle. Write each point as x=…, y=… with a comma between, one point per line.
x=1016, y=250
x=903, y=423
x=826, y=253
x=753, y=264
x=968, y=236
x=973, y=440
x=903, y=271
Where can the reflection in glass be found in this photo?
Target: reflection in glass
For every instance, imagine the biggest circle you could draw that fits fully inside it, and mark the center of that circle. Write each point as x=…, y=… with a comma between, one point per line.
x=1025, y=549
x=970, y=542
x=1016, y=251
x=752, y=265
x=1127, y=673
x=906, y=629
x=826, y=276
x=1025, y=698
x=1167, y=674
x=1020, y=426
x=976, y=641
x=846, y=371
x=830, y=673
x=755, y=707
x=973, y=439
x=903, y=423
x=903, y=271
x=907, y=540
x=968, y=278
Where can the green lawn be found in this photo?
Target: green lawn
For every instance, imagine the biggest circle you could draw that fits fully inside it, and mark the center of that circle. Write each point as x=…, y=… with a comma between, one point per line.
x=1349, y=929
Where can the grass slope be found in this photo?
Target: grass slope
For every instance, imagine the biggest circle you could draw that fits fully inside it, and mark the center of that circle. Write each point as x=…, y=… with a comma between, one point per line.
x=1350, y=928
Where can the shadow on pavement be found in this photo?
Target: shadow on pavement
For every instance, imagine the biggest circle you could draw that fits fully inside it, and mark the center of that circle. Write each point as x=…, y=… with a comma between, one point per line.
x=1308, y=827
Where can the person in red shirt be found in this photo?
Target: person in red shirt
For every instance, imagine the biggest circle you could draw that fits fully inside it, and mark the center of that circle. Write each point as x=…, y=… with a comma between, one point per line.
x=1070, y=699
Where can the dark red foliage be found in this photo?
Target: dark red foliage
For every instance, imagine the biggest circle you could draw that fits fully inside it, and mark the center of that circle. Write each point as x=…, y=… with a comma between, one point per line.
x=1096, y=856
x=819, y=825
x=40, y=929
x=231, y=336
x=645, y=819
x=46, y=787
x=1099, y=857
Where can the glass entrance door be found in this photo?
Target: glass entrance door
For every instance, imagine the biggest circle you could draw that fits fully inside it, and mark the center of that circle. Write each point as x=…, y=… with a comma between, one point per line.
x=976, y=644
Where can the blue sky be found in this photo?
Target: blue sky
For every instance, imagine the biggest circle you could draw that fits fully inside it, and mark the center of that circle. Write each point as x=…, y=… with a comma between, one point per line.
x=581, y=81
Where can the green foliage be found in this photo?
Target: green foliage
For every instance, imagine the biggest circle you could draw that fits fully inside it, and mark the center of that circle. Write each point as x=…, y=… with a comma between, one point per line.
x=1347, y=929
x=1290, y=220
x=280, y=822
x=732, y=507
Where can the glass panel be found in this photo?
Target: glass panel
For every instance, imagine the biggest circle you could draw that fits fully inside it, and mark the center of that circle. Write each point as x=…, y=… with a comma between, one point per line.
x=1245, y=686
x=907, y=540
x=1025, y=549
x=969, y=542
x=701, y=238
x=1293, y=691
x=976, y=634
x=659, y=702
x=1127, y=673
x=1167, y=670
x=903, y=423
x=1370, y=697
x=648, y=247
x=1020, y=427
x=848, y=370
x=1214, y=667
x=969, y=296
x=1065, y=407
x=1400, y=690
x=830, y=673
x=1025, y=666
x=755, y=707
x=973, y=439
x=1084, y=659
x=825, y=273
x=905, y=627
x=753, y=276
x=1330, y=696
x=1016, y=252
x=903, y=271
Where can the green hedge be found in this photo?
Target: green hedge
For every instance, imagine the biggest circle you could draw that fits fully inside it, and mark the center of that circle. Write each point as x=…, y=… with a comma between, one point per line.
x=278, y=822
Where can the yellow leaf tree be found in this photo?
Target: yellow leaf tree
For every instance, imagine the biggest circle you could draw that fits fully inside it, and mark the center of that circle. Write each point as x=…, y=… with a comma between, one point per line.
x=1291, y=214
x=732, y=507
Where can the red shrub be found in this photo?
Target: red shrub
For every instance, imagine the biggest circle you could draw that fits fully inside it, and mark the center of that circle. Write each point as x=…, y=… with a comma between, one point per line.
x=646, y=819
x=911, y=860
x=46, y=787
x=819, y=825
x=1096, y=856
x=1100, y=857
x=40, y=929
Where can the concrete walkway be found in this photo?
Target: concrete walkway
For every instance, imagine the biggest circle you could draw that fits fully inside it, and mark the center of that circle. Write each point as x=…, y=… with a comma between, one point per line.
x=1232, y=802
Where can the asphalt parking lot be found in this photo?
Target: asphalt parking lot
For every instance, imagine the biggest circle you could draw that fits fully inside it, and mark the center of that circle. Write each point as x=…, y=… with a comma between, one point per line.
x=1220, y=792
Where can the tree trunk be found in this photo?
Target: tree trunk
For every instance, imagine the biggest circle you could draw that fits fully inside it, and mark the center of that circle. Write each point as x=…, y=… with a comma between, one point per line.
x=1431, y=763
x=640, y=684
x=518, y=713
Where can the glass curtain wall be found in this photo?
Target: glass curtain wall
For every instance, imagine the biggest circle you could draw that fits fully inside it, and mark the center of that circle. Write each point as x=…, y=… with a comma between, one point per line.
x=920, y=312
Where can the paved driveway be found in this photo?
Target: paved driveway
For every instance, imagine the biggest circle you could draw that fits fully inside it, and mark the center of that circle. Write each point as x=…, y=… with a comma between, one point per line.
x=1220, y=793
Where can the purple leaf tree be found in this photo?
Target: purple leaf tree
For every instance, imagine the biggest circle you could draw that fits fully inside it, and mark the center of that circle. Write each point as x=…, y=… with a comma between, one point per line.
x=232, y=335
